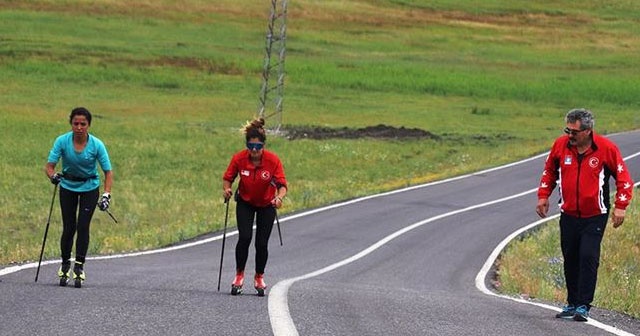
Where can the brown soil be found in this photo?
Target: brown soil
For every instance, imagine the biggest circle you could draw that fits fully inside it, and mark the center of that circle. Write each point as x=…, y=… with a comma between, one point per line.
x=379, y=132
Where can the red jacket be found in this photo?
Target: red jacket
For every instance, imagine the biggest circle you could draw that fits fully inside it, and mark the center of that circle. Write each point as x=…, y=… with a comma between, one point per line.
x=258, y=184
x=584, y=180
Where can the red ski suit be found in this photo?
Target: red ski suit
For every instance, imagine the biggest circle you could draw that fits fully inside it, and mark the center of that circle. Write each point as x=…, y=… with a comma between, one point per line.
x=584, y=179
x=258, y=184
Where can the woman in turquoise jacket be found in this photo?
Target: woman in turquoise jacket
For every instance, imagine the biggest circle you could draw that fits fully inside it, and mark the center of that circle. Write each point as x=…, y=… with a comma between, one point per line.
x=79, y=183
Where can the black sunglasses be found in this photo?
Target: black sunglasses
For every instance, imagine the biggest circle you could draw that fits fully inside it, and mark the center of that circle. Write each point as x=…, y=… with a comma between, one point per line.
x=572, y=131
x=255, y=145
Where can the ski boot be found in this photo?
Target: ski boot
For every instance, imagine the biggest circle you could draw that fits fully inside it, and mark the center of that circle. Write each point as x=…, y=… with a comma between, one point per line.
x=258, y=283
x=236, y=286
x=78, y=274
x=63, y=273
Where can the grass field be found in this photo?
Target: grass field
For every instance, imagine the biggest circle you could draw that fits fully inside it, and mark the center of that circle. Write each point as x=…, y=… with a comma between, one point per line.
x=540, y=274
x=171, y=83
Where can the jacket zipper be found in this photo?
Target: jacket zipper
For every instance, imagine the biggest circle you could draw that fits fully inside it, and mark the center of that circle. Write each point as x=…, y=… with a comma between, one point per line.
x=580, y=157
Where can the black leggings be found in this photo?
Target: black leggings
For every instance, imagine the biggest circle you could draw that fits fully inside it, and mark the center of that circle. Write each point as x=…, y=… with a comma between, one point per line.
x=76, y=221
x=245, y=214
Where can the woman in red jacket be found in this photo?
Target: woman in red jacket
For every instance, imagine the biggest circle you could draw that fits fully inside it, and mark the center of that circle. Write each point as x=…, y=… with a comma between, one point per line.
x=260, y=192
x=581, y=164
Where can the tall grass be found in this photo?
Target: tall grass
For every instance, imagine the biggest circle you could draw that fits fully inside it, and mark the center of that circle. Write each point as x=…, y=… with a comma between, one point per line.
x=533, y=265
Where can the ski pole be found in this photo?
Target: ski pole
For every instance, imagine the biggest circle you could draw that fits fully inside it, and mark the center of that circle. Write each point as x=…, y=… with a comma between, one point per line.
x=224, y=236
x=278, y=223
x=114, y=219
x=273, y=183
x=46, y=230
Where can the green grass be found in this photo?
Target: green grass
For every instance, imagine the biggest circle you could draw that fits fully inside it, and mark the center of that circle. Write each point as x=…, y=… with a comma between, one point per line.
x=171, y=84
x=533, y=265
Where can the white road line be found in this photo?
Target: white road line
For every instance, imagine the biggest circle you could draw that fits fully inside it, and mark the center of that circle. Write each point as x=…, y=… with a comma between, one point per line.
x=282, y=323
x=17, y=268
x=632, y=156
x=482, y=275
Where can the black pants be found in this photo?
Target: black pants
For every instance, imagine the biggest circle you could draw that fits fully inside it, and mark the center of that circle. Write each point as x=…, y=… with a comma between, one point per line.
x=245, y=214
x=580, y=240
x=77, y=210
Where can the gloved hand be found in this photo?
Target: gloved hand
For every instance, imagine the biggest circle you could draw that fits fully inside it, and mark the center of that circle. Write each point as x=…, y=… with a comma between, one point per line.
x=103, y=204
x=56, y=178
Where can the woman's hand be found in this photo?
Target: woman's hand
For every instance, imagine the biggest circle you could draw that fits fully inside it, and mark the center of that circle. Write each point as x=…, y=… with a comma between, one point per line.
x=276, y=202
x=227, y=193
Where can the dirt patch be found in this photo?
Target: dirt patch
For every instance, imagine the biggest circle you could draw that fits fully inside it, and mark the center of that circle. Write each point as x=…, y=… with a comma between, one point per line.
x=378, y=132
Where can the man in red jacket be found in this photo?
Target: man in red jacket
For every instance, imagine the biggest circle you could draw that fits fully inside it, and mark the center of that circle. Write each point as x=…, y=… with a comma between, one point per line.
x=581, y=163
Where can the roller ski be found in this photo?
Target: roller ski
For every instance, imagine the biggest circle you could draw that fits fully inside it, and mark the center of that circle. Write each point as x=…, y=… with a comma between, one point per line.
x=63, y=273
x=78, y=275
x=236, y=286
x=258, y=283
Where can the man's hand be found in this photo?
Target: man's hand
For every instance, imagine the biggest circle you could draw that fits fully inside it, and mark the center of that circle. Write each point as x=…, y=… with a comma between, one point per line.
x=543, y=207
x=618, y=217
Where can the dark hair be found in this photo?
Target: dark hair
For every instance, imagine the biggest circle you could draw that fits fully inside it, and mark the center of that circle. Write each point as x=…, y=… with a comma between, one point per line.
x=80, y=111
x=255, y=129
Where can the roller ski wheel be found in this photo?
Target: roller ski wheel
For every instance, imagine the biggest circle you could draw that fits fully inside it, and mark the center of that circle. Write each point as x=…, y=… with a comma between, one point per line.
x=236, y=286
x=63, y=274
x=78, y=275
x=259, y=285
x=236, y=290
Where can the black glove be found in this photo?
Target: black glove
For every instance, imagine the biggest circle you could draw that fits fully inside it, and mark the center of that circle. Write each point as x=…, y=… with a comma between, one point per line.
x=103, y=204
x=56, y=178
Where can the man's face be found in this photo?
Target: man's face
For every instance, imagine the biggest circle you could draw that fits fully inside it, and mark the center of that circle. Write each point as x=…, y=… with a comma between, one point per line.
x=577, y=135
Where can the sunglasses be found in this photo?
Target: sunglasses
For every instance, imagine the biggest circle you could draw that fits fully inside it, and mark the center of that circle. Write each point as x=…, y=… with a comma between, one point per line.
x=572, y=131
x=255, y=145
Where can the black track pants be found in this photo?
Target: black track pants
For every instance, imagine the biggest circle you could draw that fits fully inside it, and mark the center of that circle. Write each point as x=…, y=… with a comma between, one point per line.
x=77, y=210
x=245, y=214
x=580, y=240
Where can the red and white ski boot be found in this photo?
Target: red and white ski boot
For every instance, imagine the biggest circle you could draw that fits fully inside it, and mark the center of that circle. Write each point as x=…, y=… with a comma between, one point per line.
x=258, y=283
x=236, y=286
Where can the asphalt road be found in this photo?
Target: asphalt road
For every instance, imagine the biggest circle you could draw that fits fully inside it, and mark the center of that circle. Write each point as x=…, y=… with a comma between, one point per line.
x=400, y=263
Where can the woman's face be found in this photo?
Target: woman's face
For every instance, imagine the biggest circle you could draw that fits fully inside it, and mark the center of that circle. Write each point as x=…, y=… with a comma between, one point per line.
x=79, y=125
x=255, y=147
